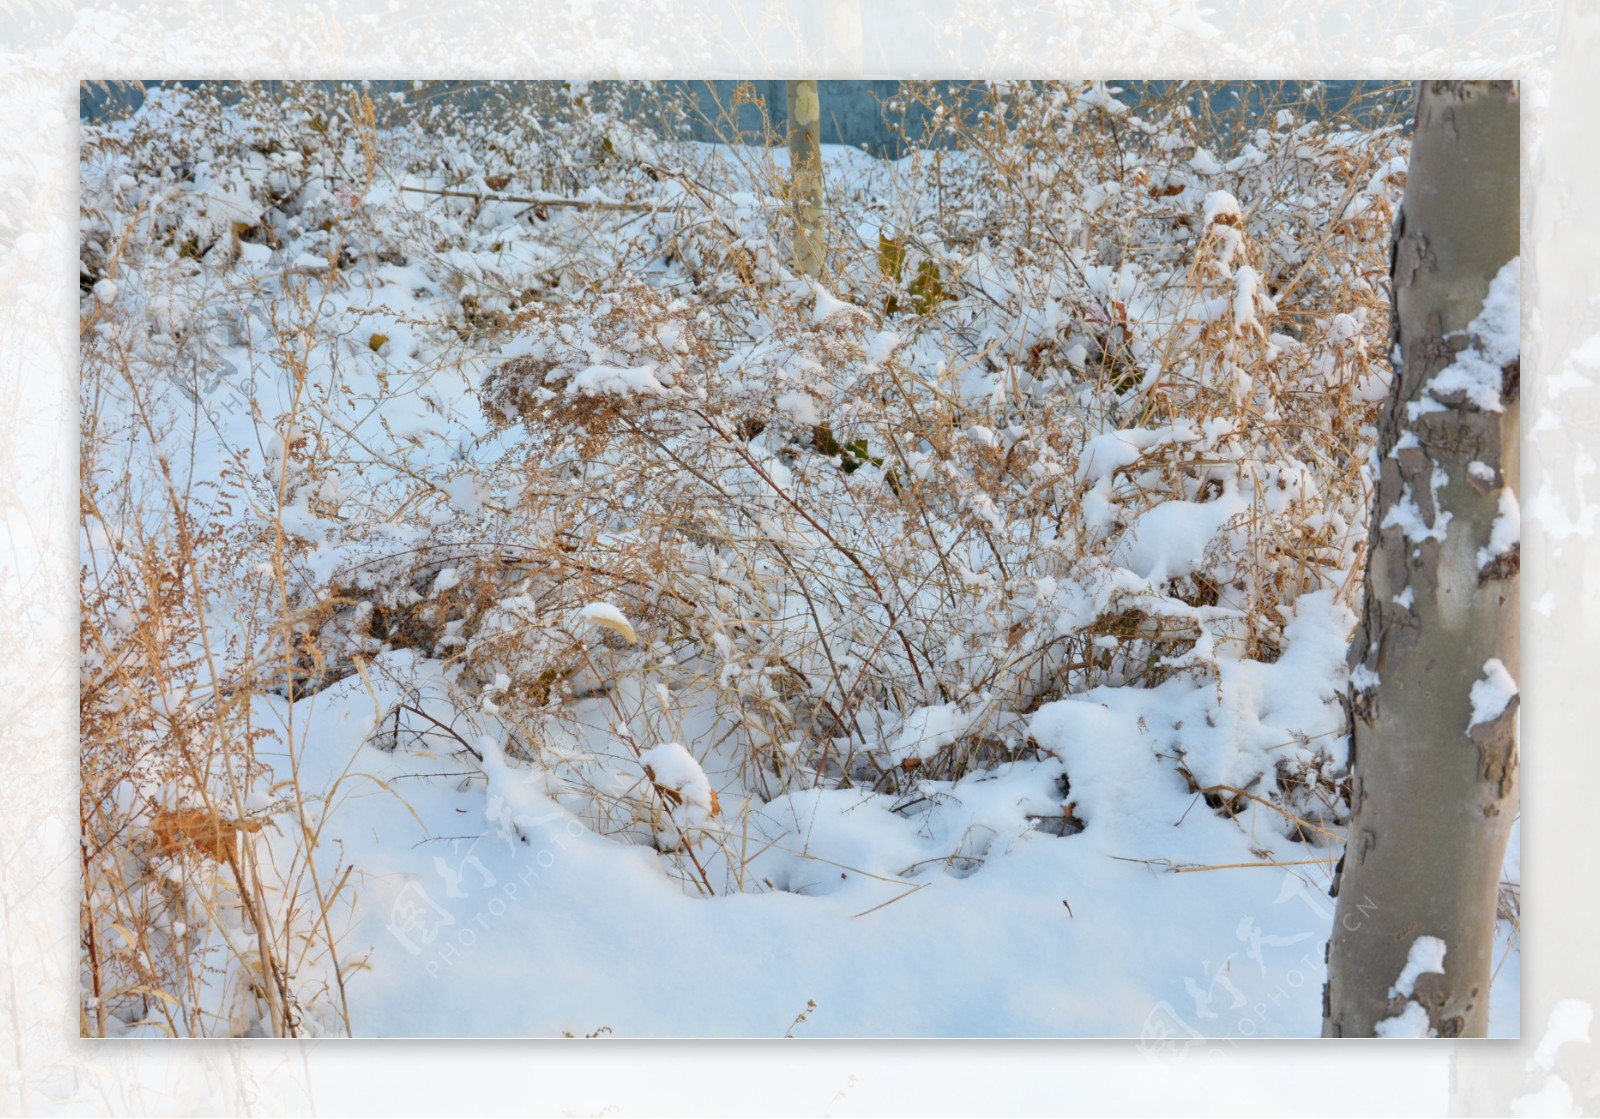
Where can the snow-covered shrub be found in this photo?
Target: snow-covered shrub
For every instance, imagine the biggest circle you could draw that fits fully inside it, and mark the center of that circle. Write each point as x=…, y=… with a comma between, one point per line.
x=1076, y=466
x=515, y=425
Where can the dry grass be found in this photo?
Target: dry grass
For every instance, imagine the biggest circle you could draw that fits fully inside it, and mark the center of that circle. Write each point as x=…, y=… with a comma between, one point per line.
x=816, y=526
x=848, y=586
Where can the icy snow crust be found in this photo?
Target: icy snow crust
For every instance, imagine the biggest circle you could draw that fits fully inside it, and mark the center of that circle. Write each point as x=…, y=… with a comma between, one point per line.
x=1146, y=847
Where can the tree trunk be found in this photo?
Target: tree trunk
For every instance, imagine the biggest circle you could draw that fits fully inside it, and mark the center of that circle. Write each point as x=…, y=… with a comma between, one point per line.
x=1562, y=273
x=805, y=161
x=1434, y=764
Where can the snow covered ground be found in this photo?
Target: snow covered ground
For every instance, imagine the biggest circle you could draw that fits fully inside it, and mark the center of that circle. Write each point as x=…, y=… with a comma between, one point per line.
x=624, y=656
x=944, y=913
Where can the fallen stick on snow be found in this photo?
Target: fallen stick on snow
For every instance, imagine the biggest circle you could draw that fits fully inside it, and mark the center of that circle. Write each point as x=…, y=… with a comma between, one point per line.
x=570, y=203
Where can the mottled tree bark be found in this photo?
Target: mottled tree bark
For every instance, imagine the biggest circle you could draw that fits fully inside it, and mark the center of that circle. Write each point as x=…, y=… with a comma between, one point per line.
x=1561, y=271
x=805, y=161
x=1435, y=796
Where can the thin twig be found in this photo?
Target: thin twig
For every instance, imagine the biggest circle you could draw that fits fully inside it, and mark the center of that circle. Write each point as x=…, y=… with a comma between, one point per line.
x=559, y=203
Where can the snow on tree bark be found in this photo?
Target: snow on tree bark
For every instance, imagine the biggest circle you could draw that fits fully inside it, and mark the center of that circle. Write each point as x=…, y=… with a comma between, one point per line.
x=1434, y=761
x=805, y=161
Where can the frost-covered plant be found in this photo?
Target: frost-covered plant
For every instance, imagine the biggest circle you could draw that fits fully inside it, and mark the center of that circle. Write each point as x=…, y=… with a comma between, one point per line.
x=1082, y=400
x=1078, y=464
